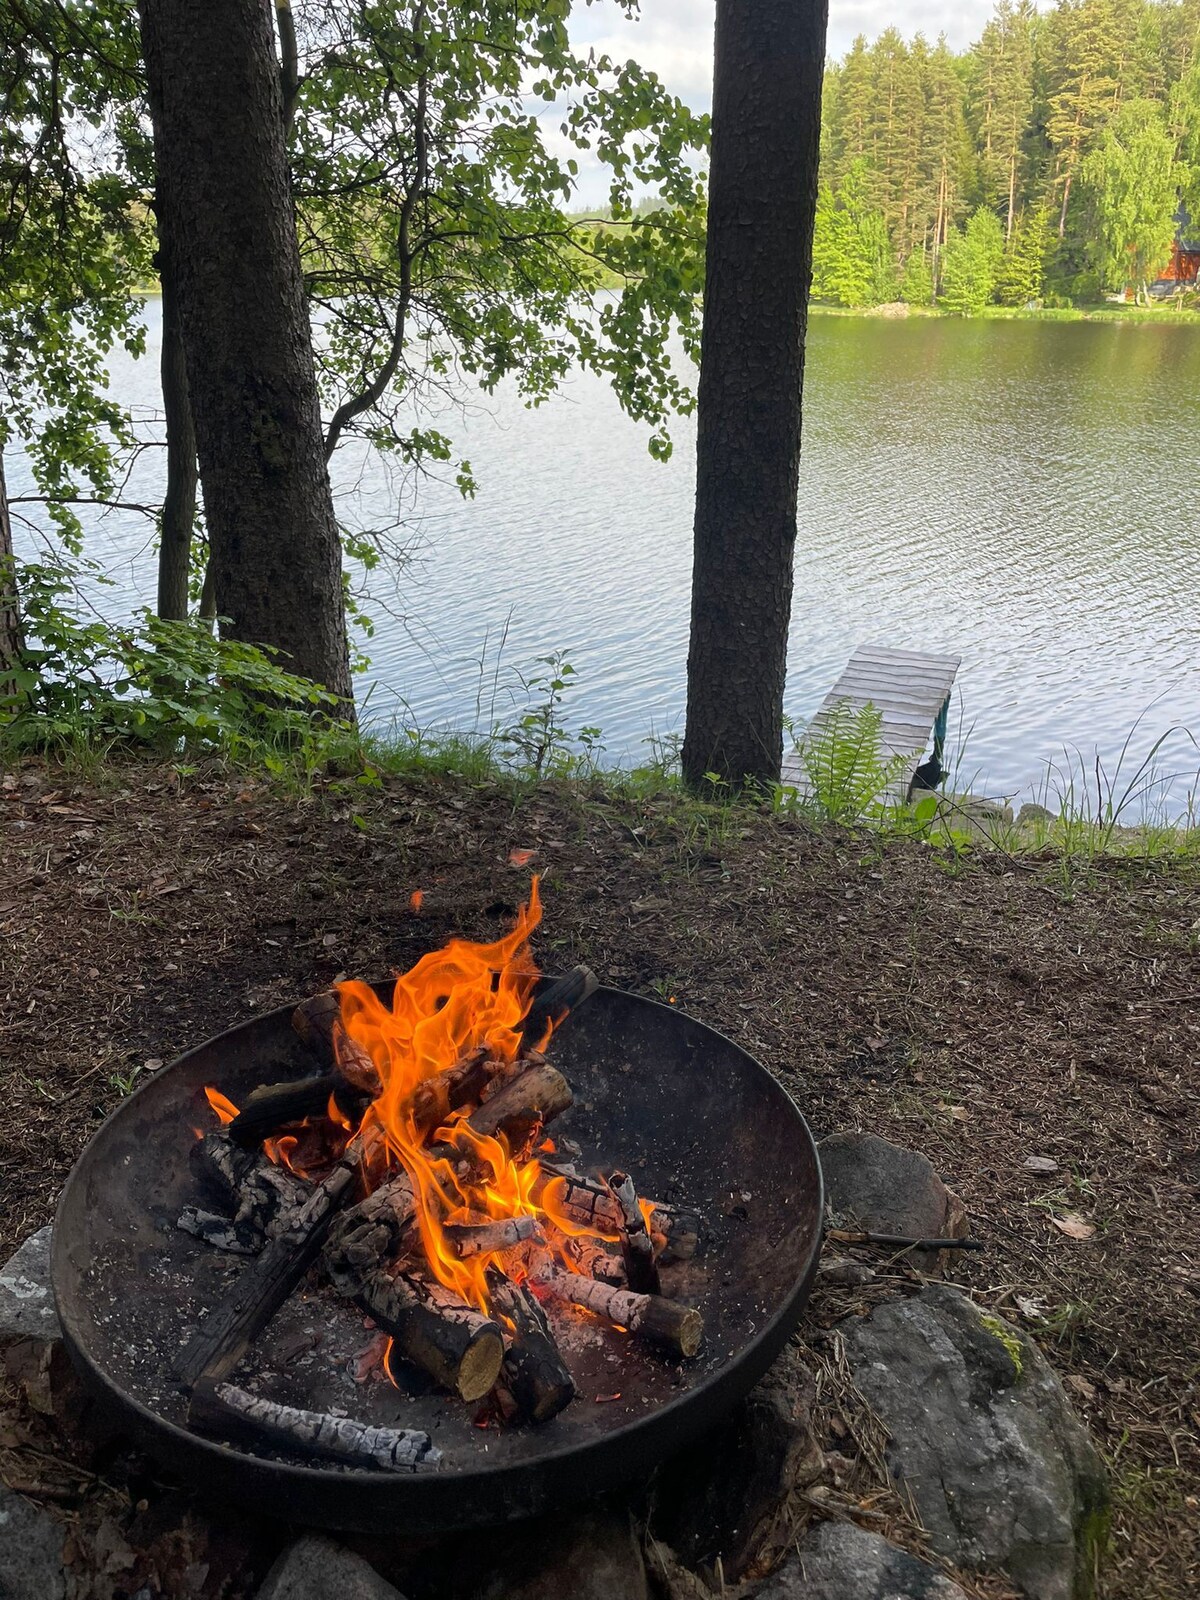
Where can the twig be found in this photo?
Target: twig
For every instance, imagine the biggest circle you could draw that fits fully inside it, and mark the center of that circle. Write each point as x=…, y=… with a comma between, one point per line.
x=891, y=1241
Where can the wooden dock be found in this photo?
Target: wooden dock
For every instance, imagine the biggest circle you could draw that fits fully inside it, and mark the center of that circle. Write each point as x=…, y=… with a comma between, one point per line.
x=909, y=689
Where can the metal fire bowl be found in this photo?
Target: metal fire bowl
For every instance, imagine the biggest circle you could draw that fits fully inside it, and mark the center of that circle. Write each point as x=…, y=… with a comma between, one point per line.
x=692, y=1116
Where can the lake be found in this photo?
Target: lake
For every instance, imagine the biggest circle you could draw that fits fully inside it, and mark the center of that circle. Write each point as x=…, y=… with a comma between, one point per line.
x=1024, y=494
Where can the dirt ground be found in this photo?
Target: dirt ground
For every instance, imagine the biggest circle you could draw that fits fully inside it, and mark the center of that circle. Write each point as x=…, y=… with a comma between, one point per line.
x=984, y=1011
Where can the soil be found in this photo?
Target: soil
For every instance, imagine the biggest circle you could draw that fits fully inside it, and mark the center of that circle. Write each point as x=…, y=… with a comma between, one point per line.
x=984, y=1010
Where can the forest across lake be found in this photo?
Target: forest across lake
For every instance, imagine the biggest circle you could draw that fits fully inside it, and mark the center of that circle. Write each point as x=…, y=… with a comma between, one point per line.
x=1016, y=493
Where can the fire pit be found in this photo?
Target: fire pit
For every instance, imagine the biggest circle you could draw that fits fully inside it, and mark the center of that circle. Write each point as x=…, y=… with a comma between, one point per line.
x=703, y=1128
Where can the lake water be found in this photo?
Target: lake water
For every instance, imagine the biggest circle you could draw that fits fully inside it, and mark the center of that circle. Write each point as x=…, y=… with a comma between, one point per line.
x=1026, y=495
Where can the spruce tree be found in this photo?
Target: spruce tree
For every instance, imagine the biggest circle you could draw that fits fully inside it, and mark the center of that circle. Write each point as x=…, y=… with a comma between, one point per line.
x=971, y=262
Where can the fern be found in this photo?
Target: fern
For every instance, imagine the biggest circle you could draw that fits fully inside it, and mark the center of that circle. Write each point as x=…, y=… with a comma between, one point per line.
x=848, y=774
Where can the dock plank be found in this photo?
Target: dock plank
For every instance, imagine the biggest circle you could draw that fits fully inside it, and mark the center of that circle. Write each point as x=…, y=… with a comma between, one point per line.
x=907, y=687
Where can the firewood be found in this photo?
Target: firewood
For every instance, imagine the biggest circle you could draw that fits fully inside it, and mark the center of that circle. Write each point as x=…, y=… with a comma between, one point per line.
x=238, y=1238
x=273, y=1106
x=588, y=1203
x=456, y=1345
x=534, y=1378
x=481, y=1238
x=552, y=1005
x=228, y=1330
x=522, y=1107
x=594, y=1259
x=319, y=1023
x=221, y=1165
x=261, y=1194
x=636, y=1246
x=433, y=1101
x=677, y=1328
x=369, y=1233
x=224, y=1409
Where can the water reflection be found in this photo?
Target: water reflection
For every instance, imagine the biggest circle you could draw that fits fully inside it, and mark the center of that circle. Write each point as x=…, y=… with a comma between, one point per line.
x=1023, y=494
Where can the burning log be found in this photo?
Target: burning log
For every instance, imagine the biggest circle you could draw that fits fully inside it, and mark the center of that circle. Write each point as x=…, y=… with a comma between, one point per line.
x=228, y=1330
x=433, y=1101
x=588, y=1204
x=677, y=1328
x=637, y=1248
x=534, y=1381
x=533, y=1098
x=273, y=1106
x=551, y=1006
x=262, y=1195
x=319, y=1023
x=369, y=1233
x=458, y=1347
x=483, y=1238
x=224, y=1409
x=595, y=1260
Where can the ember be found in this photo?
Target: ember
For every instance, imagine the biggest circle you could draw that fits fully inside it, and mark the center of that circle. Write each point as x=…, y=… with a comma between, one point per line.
x=415, y=1169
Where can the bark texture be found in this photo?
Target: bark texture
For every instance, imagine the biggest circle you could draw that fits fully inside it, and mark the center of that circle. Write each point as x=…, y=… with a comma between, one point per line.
x=179, y=502
x=226, y=212
x=762, y=201
x=11, y=641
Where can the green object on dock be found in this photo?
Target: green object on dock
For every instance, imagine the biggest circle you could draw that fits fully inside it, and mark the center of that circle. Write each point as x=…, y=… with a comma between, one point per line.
x=911, y=691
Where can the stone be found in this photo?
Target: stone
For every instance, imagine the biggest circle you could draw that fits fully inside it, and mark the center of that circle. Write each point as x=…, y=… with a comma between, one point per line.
x=839, y=1561
x=31, y=1550
x=592, y=1555
x=983, y=1438
x=1030, y=812
x=26, y=1301
x=879, y=1187
x=316, y=1568
x=726, y=1497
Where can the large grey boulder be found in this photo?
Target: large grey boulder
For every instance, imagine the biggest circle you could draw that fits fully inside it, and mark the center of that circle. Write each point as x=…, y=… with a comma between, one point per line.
x=26, y=1302
x=31, y=1550
x=839, y=1561
x=1000, y=1470
x=315, y=1568
x=882, y=1188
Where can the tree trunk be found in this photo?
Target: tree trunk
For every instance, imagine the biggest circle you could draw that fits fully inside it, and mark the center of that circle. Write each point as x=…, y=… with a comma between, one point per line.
x=233, y=256
x=12, y=642
x=179, y=503
x=770, y=57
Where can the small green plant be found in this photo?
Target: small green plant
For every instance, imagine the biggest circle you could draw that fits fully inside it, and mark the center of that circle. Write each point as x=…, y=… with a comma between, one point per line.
x=172, y=688
x=848, y=774
x=539, y=744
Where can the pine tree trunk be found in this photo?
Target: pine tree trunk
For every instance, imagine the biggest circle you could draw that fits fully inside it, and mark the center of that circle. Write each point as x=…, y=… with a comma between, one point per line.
x=179, y=503
x=770, y=58
x=12, y=641
x=227, y=217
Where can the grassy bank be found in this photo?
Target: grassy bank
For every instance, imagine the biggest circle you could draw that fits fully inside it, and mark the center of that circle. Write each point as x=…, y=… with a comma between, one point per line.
x=1166, y=315
x=975, y=1009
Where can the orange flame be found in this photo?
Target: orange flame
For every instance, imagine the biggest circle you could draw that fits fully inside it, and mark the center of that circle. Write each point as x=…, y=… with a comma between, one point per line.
x=451, y=1003
x=222, y=1105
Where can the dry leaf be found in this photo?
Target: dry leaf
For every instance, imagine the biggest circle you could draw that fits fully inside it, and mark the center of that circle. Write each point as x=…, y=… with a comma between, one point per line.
x=1074, y=1226
x=1081, y=1386
x=520, y=858
x=1040, y=1164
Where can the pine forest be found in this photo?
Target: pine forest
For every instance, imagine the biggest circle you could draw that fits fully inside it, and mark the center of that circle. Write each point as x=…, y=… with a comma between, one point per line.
x=1045, y=164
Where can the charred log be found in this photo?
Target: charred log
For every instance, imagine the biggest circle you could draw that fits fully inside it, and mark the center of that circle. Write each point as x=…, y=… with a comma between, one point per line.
x=319, y=1024
x=224, y=1409
x=238, y=1238
x=534, y=1379
x=228, y=1330
x=261, y=1194
x=524, y=1106
x=552, y=1005
x=273, y=1106
x=433, y=1101
x=456, y=1345
x=484, y=1238
x=369, y=1233
x=637, y=1248
x=674, y=1327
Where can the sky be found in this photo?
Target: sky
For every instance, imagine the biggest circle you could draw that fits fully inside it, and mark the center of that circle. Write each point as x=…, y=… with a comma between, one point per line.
x=674, y=37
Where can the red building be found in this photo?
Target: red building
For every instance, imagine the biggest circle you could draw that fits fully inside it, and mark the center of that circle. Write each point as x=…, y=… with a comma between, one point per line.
x=1183, y=270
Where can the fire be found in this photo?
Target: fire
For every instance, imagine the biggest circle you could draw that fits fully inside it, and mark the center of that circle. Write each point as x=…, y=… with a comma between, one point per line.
x=457, y=1000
